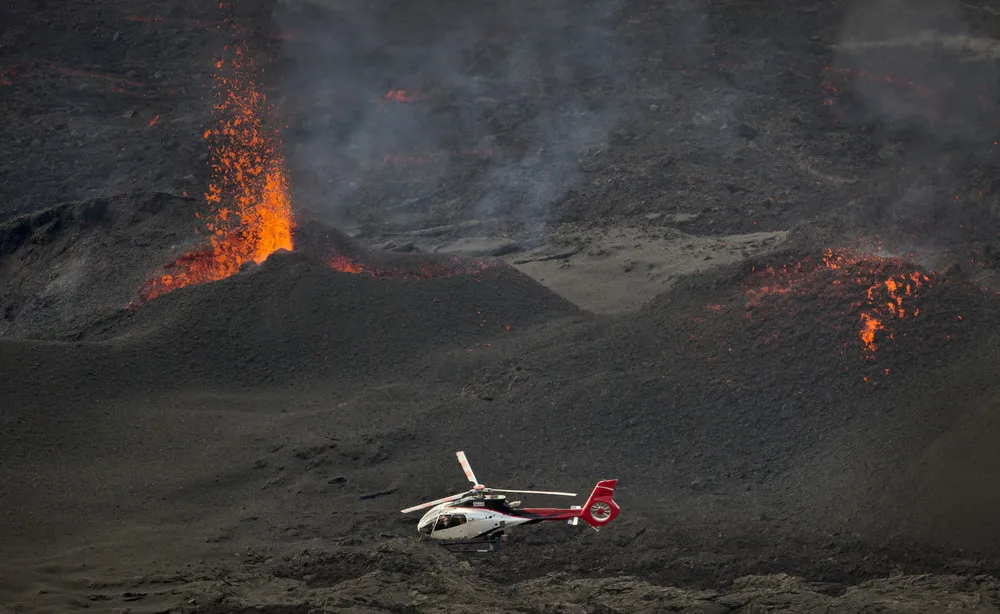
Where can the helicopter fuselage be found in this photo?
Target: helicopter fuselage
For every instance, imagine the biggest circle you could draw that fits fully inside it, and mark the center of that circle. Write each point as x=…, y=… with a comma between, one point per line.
x=477, y=517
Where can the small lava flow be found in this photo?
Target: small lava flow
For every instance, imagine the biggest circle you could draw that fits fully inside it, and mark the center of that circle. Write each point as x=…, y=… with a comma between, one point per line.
x=453, y=267
x=871, y=291
x=252, y=212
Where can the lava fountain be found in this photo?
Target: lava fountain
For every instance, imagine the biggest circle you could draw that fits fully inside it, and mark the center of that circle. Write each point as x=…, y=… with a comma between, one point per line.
x=249, y=196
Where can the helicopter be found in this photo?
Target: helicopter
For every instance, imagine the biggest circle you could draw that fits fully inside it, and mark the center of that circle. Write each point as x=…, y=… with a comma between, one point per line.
x=479, y=518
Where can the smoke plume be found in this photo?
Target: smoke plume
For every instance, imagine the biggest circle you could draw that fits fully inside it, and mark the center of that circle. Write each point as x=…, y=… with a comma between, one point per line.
x=412, y=115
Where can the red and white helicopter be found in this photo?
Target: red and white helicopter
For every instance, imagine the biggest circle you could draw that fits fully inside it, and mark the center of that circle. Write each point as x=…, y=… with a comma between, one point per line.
x=478, y=517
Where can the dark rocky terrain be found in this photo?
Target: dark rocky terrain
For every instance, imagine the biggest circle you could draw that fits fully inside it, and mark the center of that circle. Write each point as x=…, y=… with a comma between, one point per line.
x=246, y=445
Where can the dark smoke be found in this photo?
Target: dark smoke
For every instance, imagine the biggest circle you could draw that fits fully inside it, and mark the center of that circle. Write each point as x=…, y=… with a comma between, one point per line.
x=508, y=98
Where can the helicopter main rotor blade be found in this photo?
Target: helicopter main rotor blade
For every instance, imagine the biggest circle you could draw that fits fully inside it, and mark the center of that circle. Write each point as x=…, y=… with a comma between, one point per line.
x=467, y=467
x=433, y=503
x=536, y=492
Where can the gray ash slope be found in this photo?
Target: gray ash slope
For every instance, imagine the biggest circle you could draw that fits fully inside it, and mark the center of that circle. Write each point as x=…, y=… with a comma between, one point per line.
x=293, y=314
x=682, y=401
x=64, y=265
x=292, y=407
x=74, y=274
x=70, y=271
x=784, y=405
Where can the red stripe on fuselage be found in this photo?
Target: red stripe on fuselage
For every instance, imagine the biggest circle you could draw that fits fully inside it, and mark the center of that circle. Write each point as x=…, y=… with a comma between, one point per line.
x=534, y=513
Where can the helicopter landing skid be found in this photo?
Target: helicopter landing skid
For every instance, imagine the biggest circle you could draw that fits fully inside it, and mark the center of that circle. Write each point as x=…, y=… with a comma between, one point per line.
x=489, y=544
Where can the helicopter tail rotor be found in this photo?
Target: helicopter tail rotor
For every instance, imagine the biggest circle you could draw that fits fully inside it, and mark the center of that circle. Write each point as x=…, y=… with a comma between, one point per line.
x=600, y=508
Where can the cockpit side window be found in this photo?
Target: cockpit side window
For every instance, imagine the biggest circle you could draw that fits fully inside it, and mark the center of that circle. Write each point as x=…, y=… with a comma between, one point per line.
x=448, y=521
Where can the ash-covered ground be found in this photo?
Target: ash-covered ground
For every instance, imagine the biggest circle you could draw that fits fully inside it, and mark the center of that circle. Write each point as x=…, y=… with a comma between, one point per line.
x=743, y=257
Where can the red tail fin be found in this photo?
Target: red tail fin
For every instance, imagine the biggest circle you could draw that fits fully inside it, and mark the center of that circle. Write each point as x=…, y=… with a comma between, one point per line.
x=600, y=508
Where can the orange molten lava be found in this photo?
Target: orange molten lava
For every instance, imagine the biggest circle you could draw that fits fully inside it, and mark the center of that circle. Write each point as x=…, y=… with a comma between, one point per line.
x=402, y=96
x=455, y=267
x=249, y=190
x=885, y=293
x=345, y=265
x=877, y=292
x=869, y=326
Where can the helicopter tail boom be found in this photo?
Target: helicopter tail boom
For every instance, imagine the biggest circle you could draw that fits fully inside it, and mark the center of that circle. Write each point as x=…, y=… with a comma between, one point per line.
x=598, y=511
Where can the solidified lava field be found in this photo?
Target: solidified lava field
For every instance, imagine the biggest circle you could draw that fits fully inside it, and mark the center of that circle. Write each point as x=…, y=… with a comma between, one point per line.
x=266, y=265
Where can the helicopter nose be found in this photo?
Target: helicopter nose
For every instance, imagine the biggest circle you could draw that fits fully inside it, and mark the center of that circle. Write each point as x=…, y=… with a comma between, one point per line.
x=426, y=523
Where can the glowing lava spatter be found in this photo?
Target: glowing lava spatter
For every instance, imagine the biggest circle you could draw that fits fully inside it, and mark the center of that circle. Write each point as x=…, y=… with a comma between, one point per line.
x=875, y=290
x=885, y=294
x=427, y=270
x=403, y=96
x=252, y=211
